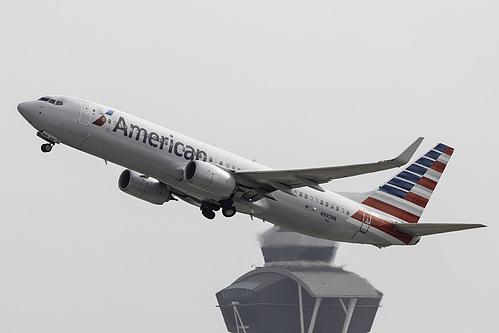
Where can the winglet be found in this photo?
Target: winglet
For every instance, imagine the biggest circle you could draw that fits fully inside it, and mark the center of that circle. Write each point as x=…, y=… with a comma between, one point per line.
x=407, y=154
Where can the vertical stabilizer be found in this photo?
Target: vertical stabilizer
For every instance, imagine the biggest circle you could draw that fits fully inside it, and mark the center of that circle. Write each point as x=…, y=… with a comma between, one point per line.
x=406, y=195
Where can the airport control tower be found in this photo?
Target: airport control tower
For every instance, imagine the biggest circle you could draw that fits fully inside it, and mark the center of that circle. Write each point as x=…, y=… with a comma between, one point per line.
x=298, y=291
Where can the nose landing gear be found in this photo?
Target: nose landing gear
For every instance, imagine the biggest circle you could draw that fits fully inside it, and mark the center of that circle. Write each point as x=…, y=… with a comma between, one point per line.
x=51, y=141
x=47, y=147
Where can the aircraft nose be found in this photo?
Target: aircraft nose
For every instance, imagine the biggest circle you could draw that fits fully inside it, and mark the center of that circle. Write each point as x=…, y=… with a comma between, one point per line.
x=26, y=110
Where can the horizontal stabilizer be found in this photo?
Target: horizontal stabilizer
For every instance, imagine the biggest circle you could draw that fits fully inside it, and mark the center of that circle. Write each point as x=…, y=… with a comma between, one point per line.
x=424, y=229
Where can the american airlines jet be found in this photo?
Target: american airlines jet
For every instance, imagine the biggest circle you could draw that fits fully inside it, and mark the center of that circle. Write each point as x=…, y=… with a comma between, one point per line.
x=162, y=165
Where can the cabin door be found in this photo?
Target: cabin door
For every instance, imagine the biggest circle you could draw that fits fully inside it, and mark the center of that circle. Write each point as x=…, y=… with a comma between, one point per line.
x=85, y=113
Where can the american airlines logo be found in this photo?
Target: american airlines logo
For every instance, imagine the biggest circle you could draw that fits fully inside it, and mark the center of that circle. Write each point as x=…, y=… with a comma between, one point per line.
x=102, y=119
x=160, y=142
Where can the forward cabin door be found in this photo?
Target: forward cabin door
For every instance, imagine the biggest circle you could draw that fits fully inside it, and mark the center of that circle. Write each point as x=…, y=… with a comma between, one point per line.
x=366, y=221
x=85, y=113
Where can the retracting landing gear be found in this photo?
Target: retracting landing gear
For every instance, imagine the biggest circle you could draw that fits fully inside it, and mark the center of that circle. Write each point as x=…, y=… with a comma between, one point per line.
x=51, y=141
x=228, y=210
x=47, y=147
x=208, y=213
x=208, y=209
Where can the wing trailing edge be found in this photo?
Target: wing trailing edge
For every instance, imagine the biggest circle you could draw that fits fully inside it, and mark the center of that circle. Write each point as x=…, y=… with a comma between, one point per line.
x=267, y=181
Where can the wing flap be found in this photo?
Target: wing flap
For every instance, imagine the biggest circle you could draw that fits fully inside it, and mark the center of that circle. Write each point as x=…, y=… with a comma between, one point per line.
x=424, y=229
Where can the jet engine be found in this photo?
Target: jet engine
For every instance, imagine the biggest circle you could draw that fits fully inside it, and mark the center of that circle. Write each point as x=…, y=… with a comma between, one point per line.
x=144, y=188
x=210, y=178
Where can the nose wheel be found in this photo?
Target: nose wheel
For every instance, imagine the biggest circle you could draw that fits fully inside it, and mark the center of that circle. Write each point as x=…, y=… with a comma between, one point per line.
x=47, y=147
x=49, y=138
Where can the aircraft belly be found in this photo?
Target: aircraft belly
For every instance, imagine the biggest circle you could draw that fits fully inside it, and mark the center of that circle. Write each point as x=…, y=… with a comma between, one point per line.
x=291, y=214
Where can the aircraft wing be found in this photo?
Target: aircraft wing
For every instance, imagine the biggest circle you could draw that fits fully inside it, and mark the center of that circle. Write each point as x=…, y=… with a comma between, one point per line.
x=259, y=184
x=424, y=229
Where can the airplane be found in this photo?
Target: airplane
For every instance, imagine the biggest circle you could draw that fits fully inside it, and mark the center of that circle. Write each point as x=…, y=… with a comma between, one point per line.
x=162, y=165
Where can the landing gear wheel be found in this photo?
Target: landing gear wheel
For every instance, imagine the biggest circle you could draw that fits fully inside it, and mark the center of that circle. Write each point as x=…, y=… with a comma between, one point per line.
x=46, y=148
x=229, y=211
x=208, y=213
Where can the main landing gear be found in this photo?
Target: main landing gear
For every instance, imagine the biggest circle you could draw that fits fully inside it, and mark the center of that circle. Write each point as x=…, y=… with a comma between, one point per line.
x=208, y=209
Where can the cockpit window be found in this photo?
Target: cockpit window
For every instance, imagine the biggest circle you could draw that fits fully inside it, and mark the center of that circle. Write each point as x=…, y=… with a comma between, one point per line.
x=51, y=100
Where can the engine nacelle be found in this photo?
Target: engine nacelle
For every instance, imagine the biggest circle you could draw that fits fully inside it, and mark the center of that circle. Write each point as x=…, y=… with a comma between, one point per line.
x=210, y=178
x=144, y=188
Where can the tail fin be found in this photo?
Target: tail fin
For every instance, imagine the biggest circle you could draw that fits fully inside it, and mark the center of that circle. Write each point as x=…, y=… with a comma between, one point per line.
x=406, y=195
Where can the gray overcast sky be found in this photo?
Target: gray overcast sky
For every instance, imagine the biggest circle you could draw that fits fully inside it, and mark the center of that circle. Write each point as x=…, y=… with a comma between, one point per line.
x=290, y=83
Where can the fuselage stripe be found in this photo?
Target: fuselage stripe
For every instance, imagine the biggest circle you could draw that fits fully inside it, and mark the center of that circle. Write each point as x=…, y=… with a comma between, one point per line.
x=392, y=210
x=385, y=227
x=398, y=202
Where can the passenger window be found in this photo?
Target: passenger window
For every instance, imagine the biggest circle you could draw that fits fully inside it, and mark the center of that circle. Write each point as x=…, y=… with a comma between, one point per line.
x=337, y=208
x=322, y=202
x=211, y=159
x=327, y=204
x=348, y=213
x=343, y=210
x=311, y=198
x=306, y=196
x=301, y=194
x=316, y=200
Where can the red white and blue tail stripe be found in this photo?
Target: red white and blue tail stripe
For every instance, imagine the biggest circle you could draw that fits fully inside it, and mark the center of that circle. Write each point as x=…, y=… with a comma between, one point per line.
x=406, y=195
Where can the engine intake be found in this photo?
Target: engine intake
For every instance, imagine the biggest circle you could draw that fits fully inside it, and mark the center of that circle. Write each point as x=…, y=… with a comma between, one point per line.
x=147, y=189
x=210, y=178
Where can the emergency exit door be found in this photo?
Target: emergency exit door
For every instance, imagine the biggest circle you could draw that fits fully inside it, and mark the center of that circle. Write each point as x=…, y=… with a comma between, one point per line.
x=366, y=221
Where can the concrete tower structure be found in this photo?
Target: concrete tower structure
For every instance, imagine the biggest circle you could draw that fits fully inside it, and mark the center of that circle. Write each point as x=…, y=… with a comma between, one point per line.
x=298, y=291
